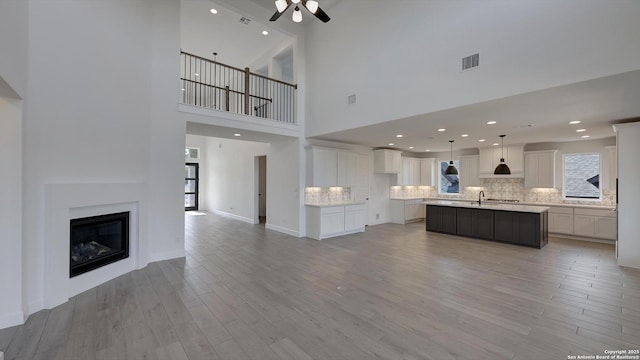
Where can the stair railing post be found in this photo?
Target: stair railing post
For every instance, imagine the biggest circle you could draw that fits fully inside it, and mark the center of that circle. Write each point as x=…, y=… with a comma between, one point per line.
x=226, y=101
x=247, y=74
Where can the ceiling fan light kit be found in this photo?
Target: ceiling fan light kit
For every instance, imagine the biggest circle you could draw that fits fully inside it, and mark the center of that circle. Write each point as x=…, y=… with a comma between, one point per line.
x=311, y=5
x=502, y=168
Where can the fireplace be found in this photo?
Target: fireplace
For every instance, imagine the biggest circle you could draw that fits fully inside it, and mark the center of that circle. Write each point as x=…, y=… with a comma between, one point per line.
x=97, y=241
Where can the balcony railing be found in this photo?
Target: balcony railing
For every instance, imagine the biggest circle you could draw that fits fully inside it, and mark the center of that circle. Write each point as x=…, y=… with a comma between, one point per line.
x=214, y=85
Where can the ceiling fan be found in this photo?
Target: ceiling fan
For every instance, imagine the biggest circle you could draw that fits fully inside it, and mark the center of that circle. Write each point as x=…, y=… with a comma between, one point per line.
x=311, y=5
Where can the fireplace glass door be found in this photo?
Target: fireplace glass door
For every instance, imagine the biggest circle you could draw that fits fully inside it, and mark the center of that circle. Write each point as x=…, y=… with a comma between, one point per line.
x=97, y=241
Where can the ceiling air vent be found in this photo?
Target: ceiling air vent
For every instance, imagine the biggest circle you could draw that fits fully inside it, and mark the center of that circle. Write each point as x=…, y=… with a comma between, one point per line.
x=245, y=20
x=470, y=62
x=351, y=99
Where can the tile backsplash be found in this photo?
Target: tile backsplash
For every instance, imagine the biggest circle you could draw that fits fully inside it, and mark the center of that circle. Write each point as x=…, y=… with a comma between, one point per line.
x=326, y=195
x=511, y=189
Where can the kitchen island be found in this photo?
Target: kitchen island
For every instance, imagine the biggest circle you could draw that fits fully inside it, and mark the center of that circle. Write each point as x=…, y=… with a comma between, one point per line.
x=524, y=225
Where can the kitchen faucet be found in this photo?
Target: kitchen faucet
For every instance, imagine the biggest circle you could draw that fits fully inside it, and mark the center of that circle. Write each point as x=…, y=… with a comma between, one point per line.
x=479, y=199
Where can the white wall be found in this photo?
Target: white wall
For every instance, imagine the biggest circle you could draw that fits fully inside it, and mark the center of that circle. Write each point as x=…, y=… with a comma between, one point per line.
x=628, y=246
x=285, y=207
x=101, y=107
x=10, y=211
x=404, y=60
x=229, y=174
x=13, y=43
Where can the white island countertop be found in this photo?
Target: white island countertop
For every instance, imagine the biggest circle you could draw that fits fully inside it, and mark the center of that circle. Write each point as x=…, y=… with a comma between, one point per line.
x=492, y=206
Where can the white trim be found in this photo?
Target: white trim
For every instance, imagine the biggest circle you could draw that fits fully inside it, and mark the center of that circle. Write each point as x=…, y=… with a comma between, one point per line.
x=283, y=230
x=11, y=319
x=380, y=221
x=582, y=238
x=34, y=307
x=234, y=216
x=167, y=255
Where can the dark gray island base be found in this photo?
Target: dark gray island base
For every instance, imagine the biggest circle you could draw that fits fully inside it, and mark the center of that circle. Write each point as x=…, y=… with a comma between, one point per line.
x=513, y=224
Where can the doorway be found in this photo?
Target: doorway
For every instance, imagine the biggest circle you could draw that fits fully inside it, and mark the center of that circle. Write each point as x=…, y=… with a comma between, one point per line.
x=191, y=180
x=260, y=212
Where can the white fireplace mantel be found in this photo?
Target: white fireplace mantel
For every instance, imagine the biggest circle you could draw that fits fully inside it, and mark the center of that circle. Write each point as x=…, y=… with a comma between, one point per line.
x=64, y=202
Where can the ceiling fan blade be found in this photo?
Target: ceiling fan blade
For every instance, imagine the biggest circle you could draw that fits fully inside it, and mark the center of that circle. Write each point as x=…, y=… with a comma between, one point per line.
x=320, y=14
x=277, y=14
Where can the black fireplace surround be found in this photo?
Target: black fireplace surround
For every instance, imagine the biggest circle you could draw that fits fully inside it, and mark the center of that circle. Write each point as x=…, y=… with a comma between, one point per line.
x=97, y=241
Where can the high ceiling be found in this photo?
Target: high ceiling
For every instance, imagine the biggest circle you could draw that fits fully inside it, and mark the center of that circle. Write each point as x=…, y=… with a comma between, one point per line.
x=540, y=116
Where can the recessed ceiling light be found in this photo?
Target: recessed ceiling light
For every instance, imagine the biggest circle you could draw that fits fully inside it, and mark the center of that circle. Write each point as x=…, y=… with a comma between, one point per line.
x=585, y=136
x=411, y=147
x=265, y=32
x=581, y=130
x=575, y=122
x=428, y=150
x=196, y=74
x=464, y=135
x=495, y=144
x=213, y=11
x=399, y=135
x=391, y=144
x=491, y=122
x=482, y=140
x=237, y=135
x=183, y=89
x=441, y=130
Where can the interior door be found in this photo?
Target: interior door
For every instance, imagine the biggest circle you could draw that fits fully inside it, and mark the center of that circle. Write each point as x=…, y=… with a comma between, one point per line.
x=191, y=179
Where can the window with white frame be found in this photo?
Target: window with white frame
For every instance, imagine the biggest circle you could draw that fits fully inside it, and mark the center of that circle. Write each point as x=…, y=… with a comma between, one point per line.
x=192, y=153
x=448, y=184
x=581, y=177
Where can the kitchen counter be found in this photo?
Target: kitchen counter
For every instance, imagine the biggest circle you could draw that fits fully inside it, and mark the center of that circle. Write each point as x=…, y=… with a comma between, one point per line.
x=407, y=198
x=584, y=206
x=343, y=203
x=489, y=206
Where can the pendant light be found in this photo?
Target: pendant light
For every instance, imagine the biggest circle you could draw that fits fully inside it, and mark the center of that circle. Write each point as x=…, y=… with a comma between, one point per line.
x=502, y=168
x=451, y=170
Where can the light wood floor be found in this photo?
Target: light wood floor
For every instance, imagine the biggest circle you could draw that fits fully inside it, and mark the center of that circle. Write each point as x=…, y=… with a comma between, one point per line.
x=394, y=292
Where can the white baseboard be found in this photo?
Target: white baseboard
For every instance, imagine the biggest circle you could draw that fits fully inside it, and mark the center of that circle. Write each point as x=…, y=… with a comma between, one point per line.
x=167, y=255
x=34, y=307
x=234, y=216
x=380, y=221
x=11, y=319
x=581, y=238
x=283, y=230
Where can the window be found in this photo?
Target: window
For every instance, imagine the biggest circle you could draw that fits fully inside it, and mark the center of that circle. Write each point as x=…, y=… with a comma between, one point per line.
x=192, y=153
x=191, y=180
x=449, y=184
x=581, y=177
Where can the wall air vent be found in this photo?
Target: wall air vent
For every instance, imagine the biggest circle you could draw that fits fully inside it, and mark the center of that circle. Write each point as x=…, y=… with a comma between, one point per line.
x=245, y=20
x=470, y=62
x=351, y=99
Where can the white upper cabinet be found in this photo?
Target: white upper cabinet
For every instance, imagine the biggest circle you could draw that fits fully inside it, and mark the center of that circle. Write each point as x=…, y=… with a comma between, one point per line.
x=324, y=167
x=387, y=161
x=513, y=156
x=427, y=172
x=336, y=167
x=410, y=172
x=540, y=169
x=612, y=161
x=470, y=171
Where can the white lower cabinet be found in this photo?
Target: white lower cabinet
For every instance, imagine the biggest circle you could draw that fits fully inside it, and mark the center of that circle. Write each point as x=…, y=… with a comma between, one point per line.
x=404, y=211
x=583, y=222
x=330, y=221
x=353, y=218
